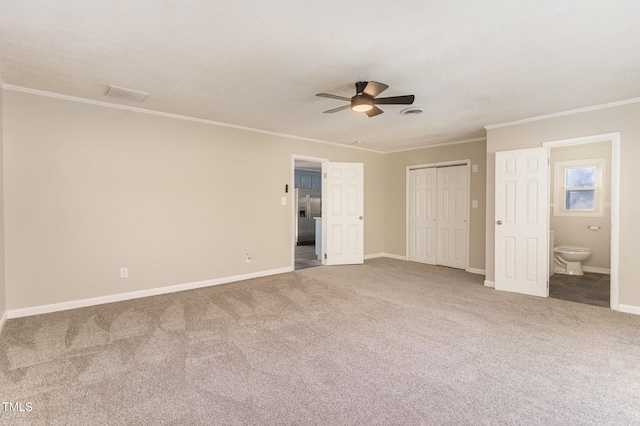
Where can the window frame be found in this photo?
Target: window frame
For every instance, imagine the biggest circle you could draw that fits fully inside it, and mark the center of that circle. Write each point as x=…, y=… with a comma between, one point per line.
x=560, y=190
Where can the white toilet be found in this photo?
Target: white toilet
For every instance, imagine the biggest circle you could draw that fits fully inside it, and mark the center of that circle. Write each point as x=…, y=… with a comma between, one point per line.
x=568, y=259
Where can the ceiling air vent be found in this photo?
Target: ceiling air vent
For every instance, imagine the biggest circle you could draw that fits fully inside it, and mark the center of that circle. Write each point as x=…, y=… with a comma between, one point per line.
x=411, y=111
x=128, y=94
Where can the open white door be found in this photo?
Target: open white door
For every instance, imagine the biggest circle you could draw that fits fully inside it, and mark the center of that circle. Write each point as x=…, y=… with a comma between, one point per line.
x=452, y=216
x=522, y=221
x=422, y=215
x=343, y=213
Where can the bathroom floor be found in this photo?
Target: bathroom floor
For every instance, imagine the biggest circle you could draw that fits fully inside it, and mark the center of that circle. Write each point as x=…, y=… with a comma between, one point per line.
x=590, y=288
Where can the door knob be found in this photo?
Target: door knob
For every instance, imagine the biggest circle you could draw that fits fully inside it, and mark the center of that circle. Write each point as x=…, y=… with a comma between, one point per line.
x=361, y=218
x=499, y=222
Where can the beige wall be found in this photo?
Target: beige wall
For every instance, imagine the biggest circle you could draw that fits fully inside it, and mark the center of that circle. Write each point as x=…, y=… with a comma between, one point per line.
x=574, y=231
x=623, y=119
x=90, y=189
x=3, y=304
x=395, y=167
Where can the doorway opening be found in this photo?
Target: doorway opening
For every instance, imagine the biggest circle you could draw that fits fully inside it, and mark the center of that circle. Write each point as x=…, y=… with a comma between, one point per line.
x=582, y=205
x=307, y=203
x=438, y=213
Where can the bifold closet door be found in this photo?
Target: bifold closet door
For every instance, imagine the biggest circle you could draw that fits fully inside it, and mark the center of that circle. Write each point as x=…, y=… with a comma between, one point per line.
x=422, y=215
x=452, y=212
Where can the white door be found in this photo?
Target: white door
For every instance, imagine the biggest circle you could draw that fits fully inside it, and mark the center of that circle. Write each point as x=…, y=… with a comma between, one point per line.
x=452, y=216
x=522, y=221
x=422, y=215
x=343, y=213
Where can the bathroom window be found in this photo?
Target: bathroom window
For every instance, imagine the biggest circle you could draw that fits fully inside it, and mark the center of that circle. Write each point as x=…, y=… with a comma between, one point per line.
x=579, y=187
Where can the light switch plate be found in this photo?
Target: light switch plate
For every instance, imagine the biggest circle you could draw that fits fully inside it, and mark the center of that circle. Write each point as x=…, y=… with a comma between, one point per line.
x=474, y=168
x=474, y=204
x=284, y=201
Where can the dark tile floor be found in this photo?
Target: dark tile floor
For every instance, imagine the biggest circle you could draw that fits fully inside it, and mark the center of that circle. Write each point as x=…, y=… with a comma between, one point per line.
x=306, y=256
x=590, y=288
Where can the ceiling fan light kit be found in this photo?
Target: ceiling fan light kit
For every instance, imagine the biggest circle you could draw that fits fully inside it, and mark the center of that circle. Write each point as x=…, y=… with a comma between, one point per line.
x=365, y=99
x=362, y=104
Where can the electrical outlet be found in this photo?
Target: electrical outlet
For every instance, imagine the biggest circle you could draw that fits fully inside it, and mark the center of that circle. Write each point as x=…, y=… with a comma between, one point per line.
x=124, y=272
x=248, y=258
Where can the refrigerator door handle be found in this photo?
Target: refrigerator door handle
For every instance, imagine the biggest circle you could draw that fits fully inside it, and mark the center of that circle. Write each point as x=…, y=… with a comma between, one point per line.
x=309, y=210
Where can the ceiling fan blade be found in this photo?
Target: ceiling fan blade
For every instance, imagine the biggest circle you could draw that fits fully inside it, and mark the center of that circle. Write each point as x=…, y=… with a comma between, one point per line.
x=374, y=111
x=395, y=100
x=331, y=111
x=327, y=95
x=374, y=88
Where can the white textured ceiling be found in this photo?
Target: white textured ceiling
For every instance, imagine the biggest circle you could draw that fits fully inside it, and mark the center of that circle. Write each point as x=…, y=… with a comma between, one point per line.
x=259, y=63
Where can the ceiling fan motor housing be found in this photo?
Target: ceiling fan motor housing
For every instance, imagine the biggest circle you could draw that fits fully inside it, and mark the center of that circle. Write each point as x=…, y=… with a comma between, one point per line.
x=360, y=86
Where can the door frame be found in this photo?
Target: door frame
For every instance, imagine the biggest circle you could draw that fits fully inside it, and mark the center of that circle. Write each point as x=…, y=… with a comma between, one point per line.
x=615, y=203
x=294, y=203
x=467, y=163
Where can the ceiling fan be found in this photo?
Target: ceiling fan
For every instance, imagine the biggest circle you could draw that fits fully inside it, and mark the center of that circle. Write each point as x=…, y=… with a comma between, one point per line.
x=365, y=99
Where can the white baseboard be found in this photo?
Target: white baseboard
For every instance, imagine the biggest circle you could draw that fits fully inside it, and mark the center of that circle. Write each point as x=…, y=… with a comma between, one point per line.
x=373, y=256
x=400, y=257
x=389, y=255
x=596, y=270
x=63, y=306
x=491, y=284
x=3, y=320
x=629, y=309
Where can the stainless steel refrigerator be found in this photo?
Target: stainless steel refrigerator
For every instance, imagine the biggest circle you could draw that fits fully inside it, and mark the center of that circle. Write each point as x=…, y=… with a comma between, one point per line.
x=309, y=206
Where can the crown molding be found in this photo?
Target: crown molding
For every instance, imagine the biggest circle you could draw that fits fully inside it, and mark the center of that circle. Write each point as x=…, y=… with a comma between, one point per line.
x=175, y=116
x=437, y=145
x=563, y=113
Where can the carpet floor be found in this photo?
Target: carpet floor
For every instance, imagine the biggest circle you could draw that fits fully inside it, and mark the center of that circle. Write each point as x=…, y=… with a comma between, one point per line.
x=384, y=343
